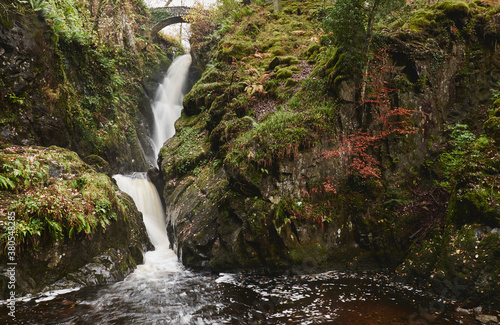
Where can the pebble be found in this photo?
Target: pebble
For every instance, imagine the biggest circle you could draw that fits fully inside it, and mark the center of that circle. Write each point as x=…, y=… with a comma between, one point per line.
x=487, y=319
x=462, y=311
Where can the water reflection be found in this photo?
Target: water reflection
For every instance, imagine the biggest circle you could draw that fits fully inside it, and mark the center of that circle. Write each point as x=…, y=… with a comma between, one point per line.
x=185, y=297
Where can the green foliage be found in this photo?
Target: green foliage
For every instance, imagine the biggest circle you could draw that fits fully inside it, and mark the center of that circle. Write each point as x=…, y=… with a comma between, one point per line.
x=40, y=5
x=23, y=173
x=349, y=24
x=68, y=19
x=346, y=20
x=6, y=183
x=469, y=168
x=454, y=161
x=73, y=200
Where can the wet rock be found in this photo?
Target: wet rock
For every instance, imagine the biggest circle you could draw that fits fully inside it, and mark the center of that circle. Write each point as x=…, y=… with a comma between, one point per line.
x=487, y=319
x=463, y=311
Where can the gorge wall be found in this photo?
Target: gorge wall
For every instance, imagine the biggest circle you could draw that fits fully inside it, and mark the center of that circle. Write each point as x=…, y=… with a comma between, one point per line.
x=278, y=166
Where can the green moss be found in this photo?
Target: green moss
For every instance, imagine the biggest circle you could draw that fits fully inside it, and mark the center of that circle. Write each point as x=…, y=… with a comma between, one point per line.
x=284, y=73
x=280, y=136
x=312, y=50
x=186, y=150
x=235, y=49
x=454, y=8
x=202, y=96
x=57, y=197
x=423, y=19
x=476, y=204
x=289, y=60
x=492, y=128
x=289, y=83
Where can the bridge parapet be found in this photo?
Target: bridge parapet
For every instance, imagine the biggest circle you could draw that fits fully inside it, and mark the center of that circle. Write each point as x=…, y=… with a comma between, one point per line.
x=174, y=11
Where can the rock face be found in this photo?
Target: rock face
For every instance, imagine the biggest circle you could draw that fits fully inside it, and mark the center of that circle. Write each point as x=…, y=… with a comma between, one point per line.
x=294, y=174
x=72, y=225
x=221, y=222
x=78, y=84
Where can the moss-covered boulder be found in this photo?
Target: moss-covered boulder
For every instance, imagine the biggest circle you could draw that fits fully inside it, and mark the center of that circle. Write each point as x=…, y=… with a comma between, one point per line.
x=461, y=263
x=492, y=128
x=71, y=224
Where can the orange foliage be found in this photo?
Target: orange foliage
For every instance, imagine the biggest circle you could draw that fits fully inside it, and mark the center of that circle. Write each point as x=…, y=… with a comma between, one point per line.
x=356, y=150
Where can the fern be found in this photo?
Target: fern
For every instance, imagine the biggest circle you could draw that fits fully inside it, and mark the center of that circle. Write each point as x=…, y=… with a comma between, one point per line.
x=39, y=5
x=6, y=183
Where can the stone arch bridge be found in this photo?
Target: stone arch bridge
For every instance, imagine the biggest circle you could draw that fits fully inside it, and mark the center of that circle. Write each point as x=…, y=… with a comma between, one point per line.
x=174, y=15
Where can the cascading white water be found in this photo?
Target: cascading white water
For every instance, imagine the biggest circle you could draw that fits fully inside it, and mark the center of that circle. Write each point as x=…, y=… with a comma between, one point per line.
x=167, y=109
x=147, y=200
x=167, y=106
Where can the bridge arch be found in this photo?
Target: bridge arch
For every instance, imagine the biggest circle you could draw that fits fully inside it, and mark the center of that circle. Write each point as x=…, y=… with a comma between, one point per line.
x=177, y=17
x=167, y=22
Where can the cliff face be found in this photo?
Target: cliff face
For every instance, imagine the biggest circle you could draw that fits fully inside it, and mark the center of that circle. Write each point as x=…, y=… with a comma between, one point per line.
x=75, y=74
x=75, y=81
x=277, y=165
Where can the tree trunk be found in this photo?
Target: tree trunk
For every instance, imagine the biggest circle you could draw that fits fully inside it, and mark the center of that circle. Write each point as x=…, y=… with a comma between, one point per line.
x=367, y=45
x=277, y=6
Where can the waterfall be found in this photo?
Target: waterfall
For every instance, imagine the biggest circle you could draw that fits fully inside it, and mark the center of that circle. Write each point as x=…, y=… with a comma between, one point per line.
x=167, y=106
x=167, y=109
x=148, y=201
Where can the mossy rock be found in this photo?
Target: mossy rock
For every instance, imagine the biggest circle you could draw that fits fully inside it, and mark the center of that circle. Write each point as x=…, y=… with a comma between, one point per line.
x=283, y=61
x=422, y=20
x=252, y=30
x=202, y=96
x=274, y=63
x=67, y=215
x=289, y=60
x=98, y=164
x=184, y=152
x=474, y=205
x=234, y=49
x=454, y=9
x=312, y=50
x=277, y=50
x=290, y=83
x=284, y=73
x=464, y=259
x=492, y=127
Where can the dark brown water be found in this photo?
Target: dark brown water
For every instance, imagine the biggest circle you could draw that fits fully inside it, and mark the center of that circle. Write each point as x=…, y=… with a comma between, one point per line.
x=184, y=297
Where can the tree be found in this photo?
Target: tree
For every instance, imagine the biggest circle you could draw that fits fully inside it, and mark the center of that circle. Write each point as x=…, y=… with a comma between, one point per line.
x=277, y=6
x=351, y=23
